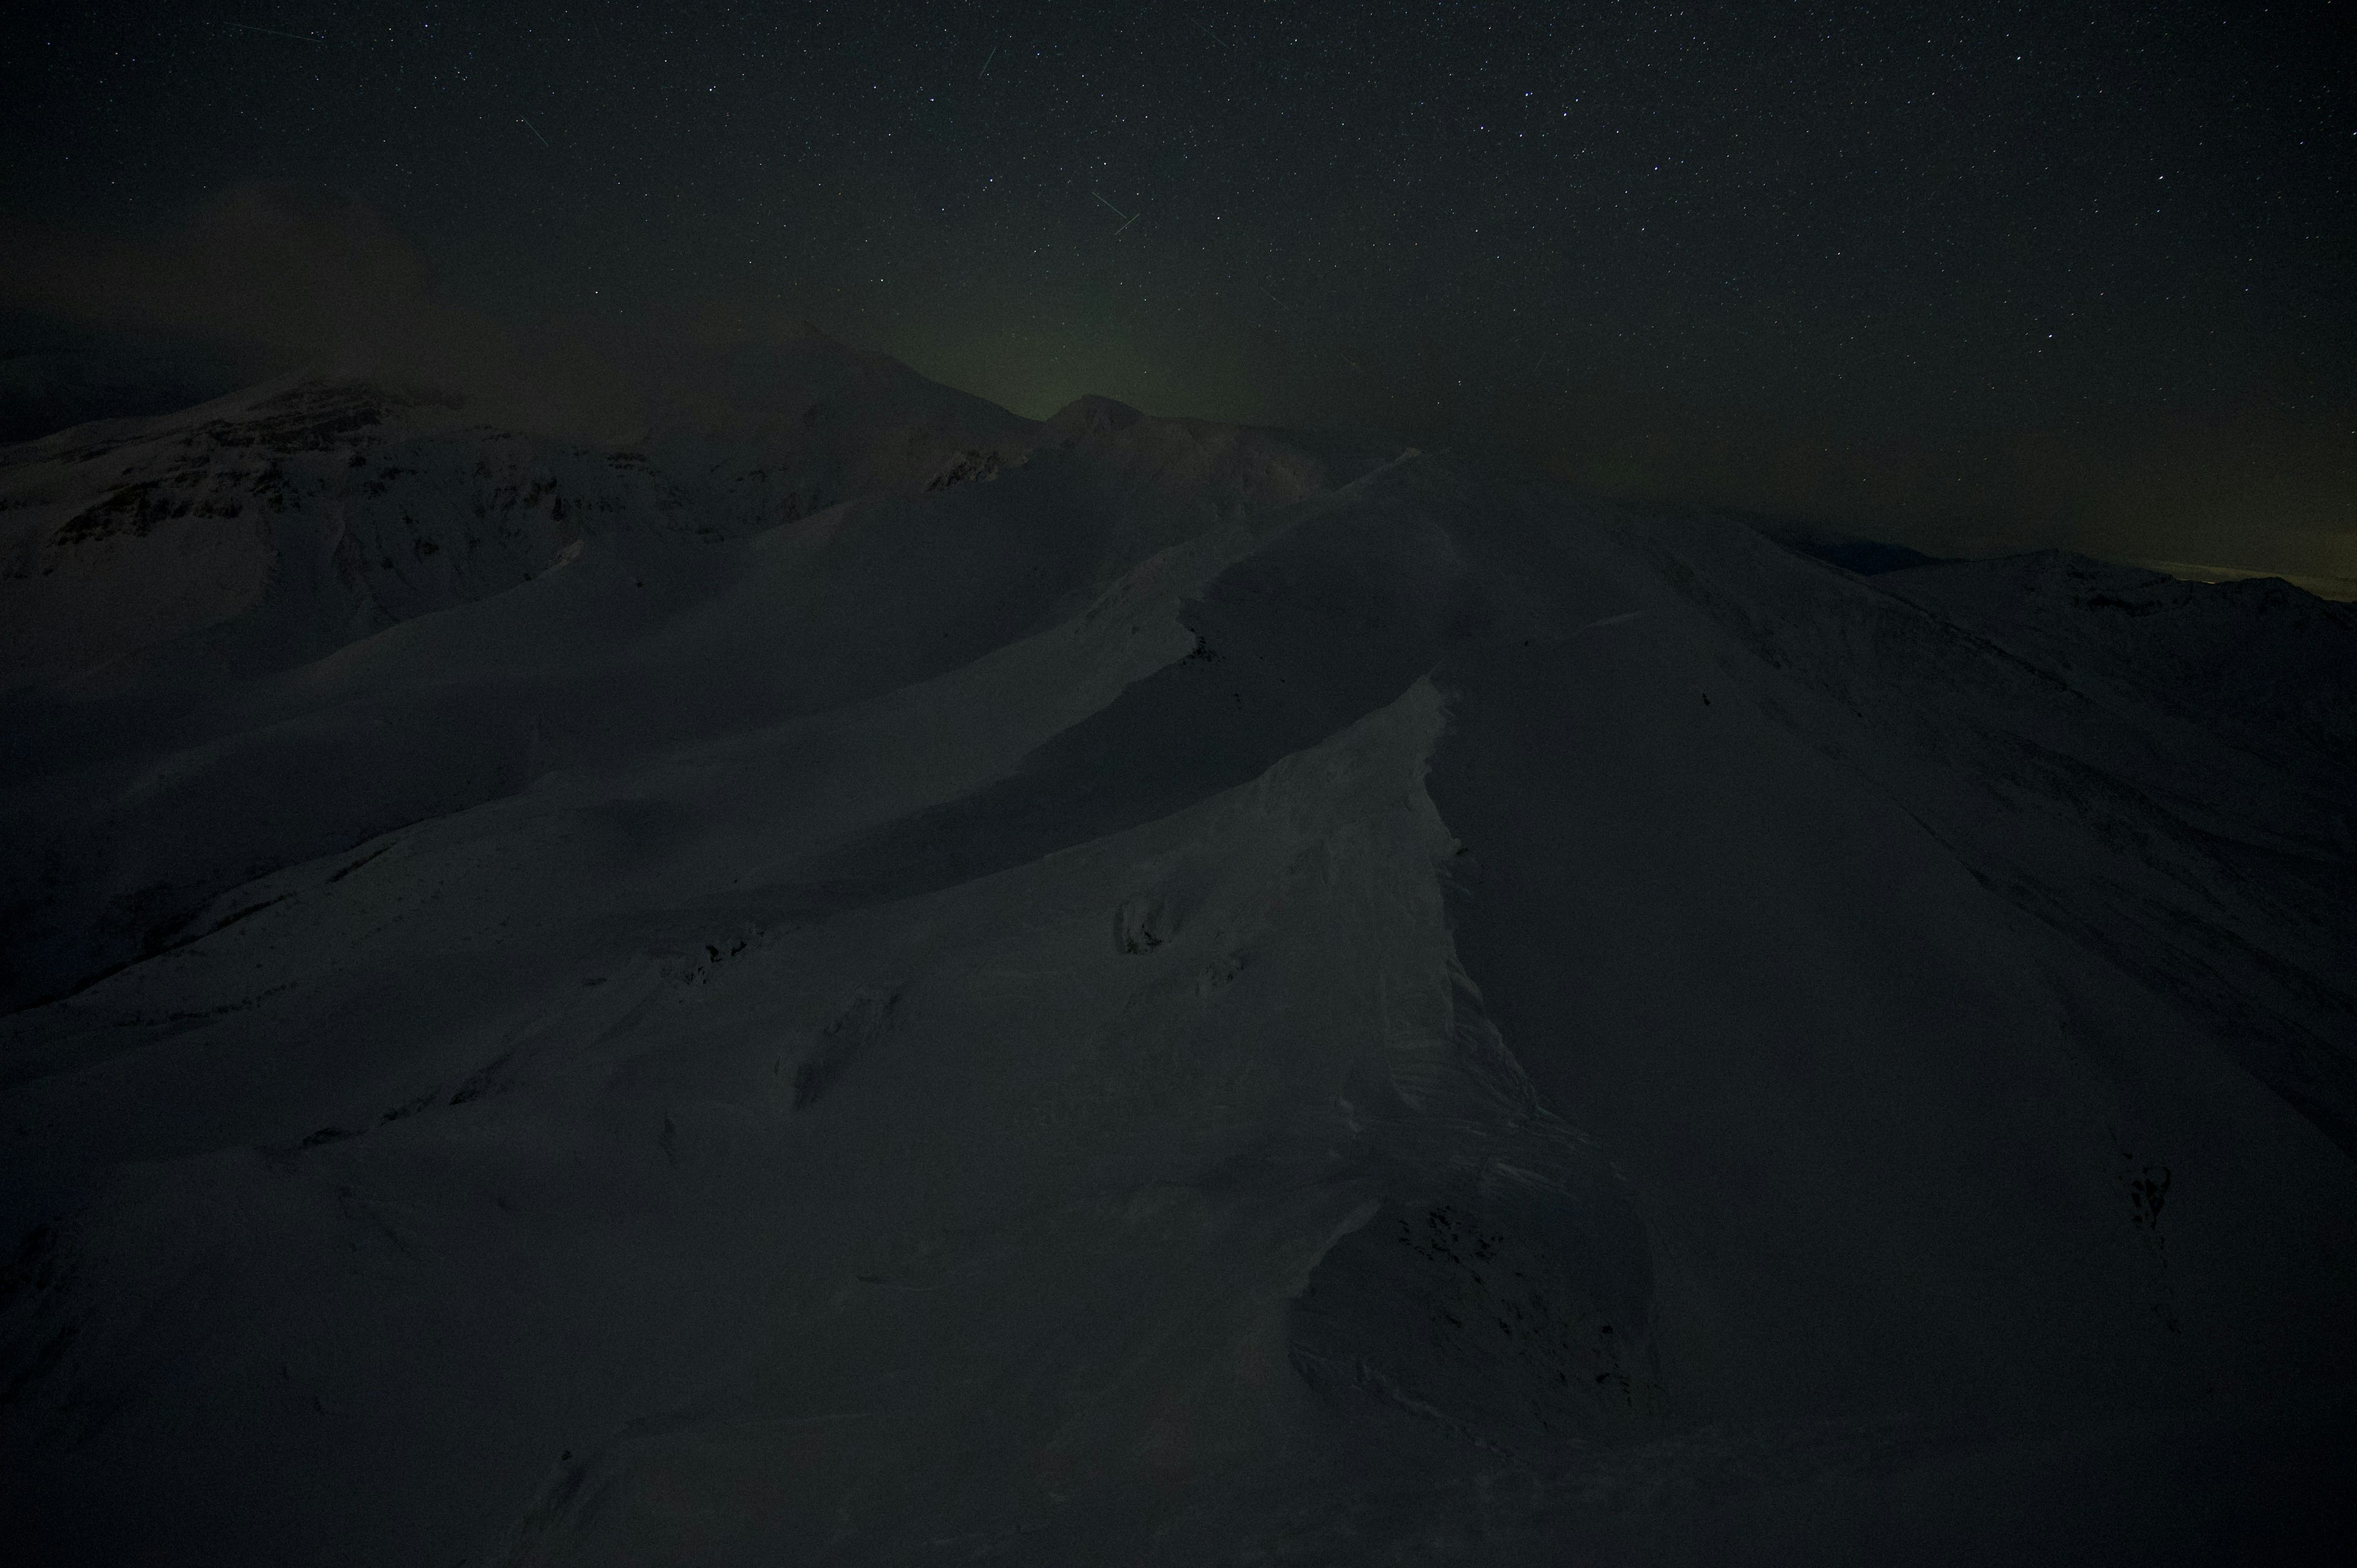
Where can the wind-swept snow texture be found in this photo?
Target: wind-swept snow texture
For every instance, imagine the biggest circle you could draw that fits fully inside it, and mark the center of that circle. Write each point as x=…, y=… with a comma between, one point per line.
x=910, y=987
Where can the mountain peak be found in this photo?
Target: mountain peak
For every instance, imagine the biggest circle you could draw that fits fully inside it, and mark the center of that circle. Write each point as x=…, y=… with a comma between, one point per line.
x=1093, y=415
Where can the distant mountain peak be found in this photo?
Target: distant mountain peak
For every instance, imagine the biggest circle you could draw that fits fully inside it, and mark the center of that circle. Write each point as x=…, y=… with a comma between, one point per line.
x=1092, y=415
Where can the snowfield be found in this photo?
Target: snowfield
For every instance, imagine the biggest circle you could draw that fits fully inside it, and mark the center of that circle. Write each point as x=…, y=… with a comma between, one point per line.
x=887, y=984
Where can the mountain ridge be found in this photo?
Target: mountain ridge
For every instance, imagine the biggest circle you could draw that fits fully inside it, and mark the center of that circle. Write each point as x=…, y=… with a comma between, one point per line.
x=1176, y=997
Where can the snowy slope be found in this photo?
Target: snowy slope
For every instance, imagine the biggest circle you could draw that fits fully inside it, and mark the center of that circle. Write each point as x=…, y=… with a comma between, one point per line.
x=302, y=707
x=1176, y=999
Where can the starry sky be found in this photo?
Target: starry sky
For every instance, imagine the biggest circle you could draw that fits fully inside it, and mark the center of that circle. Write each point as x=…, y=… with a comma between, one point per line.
x=1970, y=275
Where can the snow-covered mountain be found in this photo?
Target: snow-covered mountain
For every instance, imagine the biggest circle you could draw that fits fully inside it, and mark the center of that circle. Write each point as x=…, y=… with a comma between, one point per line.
x=886, y=984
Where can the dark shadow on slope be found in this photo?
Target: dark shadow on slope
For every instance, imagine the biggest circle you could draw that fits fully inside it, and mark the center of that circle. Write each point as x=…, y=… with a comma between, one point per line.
x=2263, y=662
x=1850, y=552
x=2199, y=765
x=1331, y=621
x=649, y=643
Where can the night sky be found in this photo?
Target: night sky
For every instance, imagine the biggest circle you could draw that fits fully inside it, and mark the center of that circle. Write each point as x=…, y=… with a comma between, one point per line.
x=1969, y=275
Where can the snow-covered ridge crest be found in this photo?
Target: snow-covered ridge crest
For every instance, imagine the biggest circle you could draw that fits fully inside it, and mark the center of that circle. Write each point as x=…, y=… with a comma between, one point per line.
x=900, y=986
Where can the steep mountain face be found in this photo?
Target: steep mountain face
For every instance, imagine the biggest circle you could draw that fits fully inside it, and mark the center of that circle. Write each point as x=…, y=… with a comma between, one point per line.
x=1123, y=990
